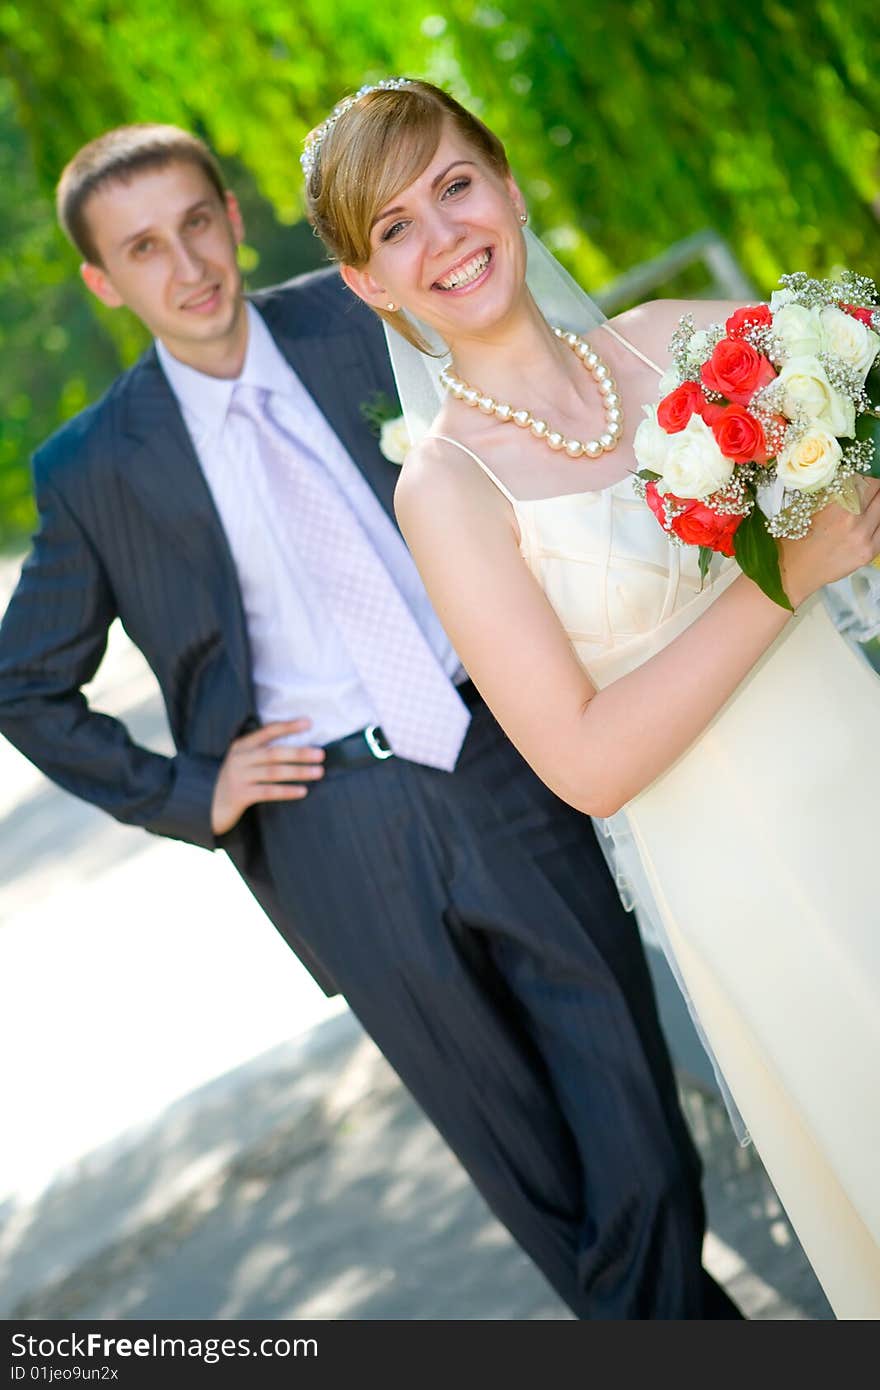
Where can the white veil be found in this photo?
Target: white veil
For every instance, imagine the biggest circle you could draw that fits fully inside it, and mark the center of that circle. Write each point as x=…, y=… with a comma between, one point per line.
x=560, y=299
x=565, y=305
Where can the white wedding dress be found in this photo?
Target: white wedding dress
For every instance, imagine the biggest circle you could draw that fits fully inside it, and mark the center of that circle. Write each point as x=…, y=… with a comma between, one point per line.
x=759, y=848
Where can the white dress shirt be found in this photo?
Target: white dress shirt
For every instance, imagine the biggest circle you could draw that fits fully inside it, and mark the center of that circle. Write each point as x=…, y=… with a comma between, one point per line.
x=301, y=666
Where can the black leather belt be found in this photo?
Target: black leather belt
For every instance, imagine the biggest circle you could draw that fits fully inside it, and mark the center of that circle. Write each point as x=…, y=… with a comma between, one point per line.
x=370, y=745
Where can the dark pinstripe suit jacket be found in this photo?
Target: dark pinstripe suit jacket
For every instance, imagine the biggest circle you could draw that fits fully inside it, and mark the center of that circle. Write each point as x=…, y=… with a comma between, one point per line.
x=129, y=530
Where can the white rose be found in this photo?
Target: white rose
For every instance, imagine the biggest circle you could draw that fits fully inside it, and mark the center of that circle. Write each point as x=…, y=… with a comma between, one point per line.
x=695, y=466
x=810, y=462
x=849, y=339
x=698, y=347
x=668, y=382
x=651, y=443
x=798, y=330
x=770, y=496
x=807, y=389
x=780, y=297
x=394, y=440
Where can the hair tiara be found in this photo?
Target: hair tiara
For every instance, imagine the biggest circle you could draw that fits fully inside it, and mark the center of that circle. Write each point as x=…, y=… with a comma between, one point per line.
x=313, y=142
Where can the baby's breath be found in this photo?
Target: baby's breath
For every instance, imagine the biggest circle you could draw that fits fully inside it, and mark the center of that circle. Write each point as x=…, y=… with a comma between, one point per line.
x=774, y=348
x=843, y=377
x=792, y=521
x=769, y=400
x=848, y=288
x=679, y=344
x=762, y=339
x=737, y=498
x=859, y=455
x=775, y=429
x=856, y=289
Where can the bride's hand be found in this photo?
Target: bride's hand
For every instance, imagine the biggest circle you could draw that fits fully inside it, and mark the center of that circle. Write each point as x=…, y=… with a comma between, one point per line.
x=838, y=543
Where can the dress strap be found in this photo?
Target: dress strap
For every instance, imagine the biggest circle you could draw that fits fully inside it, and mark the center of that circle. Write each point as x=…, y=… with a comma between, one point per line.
x=480, y=464
x=630, y=348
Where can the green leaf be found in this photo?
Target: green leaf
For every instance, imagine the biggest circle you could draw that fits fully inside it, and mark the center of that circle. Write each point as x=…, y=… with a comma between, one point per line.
x=648, y=476
x=378, y=409
x=758, y=556
x=705, y=560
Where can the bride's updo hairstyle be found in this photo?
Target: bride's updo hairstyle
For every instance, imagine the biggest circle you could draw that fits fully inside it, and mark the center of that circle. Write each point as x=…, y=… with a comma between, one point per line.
x=377, y=144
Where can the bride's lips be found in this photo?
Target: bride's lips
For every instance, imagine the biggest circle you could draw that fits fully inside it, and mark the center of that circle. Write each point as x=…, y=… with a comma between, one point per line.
x=205, y=302
x=469, y=285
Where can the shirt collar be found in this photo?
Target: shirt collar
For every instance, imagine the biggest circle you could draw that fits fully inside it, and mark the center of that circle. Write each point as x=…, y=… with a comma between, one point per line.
x=205, y=399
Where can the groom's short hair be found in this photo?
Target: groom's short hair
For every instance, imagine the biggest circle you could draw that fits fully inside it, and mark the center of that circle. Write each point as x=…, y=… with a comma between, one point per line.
x=117, y=156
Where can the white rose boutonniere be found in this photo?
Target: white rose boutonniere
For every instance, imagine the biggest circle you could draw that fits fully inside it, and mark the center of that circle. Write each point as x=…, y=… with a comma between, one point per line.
x=394, y=440
x=385, y=420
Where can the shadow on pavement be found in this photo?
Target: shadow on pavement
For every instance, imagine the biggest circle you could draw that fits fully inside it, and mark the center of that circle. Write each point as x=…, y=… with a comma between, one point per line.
x=309, y=1185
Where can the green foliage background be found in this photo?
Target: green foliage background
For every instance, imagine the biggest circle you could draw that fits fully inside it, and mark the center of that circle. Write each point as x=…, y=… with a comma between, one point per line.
x=629, y=126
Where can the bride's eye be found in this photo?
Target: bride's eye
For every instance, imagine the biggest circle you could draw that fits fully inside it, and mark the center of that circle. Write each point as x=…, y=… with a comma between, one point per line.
x=456, y=186
x=391, y=231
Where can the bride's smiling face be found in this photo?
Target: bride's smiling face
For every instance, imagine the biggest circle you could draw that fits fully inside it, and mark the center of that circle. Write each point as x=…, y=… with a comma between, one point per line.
x=448, y=247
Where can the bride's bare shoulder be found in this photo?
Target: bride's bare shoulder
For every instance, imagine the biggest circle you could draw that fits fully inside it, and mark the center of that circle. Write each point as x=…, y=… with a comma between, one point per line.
x=650, y=326
x=436, y=474
x=431, y=464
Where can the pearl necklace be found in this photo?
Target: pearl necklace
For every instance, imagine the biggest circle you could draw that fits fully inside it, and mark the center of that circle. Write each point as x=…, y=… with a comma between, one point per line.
x=575, y=448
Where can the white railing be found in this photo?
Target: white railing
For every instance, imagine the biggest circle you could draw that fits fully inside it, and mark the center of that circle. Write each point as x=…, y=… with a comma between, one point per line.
x=727, y=279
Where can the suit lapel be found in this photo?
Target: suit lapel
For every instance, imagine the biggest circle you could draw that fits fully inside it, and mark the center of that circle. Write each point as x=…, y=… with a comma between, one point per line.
x=341, y=371
x=163, y=469
x=341, y=367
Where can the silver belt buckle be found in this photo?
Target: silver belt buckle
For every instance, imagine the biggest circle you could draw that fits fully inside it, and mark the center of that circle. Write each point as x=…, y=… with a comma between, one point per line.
x=371, y=738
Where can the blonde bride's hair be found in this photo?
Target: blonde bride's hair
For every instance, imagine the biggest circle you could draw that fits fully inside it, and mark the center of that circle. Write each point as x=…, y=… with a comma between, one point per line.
x=374, y=149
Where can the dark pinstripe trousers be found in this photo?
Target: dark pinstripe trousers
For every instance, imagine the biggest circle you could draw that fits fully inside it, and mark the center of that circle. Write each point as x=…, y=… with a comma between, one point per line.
x=472, y=925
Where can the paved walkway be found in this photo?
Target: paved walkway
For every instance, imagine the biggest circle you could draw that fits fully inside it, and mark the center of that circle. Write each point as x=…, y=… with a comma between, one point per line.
x=308, y=1185
x=194, y=1131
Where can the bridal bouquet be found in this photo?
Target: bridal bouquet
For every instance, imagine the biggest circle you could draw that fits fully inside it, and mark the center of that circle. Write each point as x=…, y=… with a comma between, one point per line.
x=764, y=420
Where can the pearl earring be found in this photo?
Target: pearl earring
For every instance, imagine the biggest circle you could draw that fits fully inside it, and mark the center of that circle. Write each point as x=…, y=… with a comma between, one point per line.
x=524, y=217
x=392, y=308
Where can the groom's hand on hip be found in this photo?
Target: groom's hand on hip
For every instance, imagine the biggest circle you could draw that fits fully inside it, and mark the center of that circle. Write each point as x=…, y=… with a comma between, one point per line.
x=254, y=771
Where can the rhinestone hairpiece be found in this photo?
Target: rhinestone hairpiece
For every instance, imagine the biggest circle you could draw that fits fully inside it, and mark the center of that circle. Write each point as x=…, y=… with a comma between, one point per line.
x=313, y=141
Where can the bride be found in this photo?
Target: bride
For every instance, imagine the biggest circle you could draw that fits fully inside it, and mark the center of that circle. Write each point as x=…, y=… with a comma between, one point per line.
x=741, y=740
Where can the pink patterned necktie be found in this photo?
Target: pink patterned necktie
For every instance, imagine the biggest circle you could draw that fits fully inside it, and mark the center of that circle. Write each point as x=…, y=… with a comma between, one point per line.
x=421, y=714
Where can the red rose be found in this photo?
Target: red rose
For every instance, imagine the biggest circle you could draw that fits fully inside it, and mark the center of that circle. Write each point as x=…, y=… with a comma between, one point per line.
x=865, y=316
x=712, y=411
x=655, y=502
x=676, y=409
x=699, y=525
x=696, y=524
x=736, y=370
x=753, y=316
x=739, y=435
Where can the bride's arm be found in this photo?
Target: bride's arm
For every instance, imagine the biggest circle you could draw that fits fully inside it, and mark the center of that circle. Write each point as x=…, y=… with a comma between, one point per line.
x=650, y=326
x=595, y=749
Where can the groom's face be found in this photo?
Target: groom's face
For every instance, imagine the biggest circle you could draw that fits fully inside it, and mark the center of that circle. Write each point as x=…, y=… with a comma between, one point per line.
x=167, y=246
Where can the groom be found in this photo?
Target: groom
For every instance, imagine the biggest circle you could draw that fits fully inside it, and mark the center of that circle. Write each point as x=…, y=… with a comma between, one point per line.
x=227, y=502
